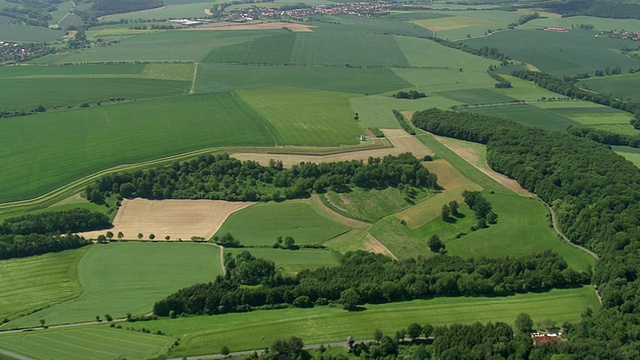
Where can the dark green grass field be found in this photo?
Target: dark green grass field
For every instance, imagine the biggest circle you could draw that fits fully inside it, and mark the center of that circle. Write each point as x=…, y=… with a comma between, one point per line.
x=224, y=77
x=527, y=115
x=625, y=86
x=559, y=53
x=270, y=220
x=49, y=150
x=121, y=278
x=38, y=281
x=27, y=94
x=96, y=342
x=476, y=96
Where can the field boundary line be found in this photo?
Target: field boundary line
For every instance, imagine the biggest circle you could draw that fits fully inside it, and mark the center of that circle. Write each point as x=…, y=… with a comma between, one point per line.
x=193, y=80
x=14, y=355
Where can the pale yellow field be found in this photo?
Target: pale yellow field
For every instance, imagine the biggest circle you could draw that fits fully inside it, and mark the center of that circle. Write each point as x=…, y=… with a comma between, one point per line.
x=253, y=25
x=179, y=219
x=452, y=22
x=401, y=141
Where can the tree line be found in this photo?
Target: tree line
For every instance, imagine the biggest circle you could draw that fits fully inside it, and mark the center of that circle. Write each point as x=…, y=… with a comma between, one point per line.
x=596, y=8
x=363, y=277
x=568, y=88
x=221, y=177
x=596, y=196
x=35, y=234
x=604, y=136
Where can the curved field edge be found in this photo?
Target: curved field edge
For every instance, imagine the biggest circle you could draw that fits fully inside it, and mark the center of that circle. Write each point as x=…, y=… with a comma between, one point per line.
x=37, y=282
x=109, y=286
x=258, y=329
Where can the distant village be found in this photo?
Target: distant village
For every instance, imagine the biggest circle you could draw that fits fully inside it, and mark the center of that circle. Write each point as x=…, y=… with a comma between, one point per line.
x=357, y=9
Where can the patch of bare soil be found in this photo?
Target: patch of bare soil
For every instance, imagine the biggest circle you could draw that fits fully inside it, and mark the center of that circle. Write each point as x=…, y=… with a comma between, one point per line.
x=401, y=143
x=375, y=246
x=179, y=219
x=252, y=25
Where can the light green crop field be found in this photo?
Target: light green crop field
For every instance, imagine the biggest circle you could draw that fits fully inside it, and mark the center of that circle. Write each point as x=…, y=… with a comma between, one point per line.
x=35, y=282
x=430, y=80
x=476, y=96
x=622, y=86
x=225, y=77
x=399, y=239
x=174, y=45
x=527, y=115
x=273, y=49
x=294, y=218
x=557, y=53
x=372, y=205
x=129, y=277
x=170, y=11
x=49, y=150
x=291, y=262
x=469, y=23
x=89, y=342
x=306, y=117
x=629, y=153
x=63, y=9
x=258, y=329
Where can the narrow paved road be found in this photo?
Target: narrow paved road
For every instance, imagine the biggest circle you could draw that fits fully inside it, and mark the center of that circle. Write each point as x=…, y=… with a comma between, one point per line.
x=554, y=221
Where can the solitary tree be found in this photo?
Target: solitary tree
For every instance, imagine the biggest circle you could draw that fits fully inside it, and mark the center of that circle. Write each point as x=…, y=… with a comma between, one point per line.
x=167, y=237
x=446, y=213
x=290, y=243
x=120, y=235
x=435, y=244
x=140, y=236
x=414, y=330
x=109, y=235
x=453, y=205
x=350, y=299
x=377, y=335
x=524, y=323
x=152, y=236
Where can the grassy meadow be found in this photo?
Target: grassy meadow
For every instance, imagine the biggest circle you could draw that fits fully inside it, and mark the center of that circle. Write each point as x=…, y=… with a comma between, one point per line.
x=527, y=115
x=207, y=334
x=296, y=218
x=629, y=153
x=121, y=278
x=622, y=86
x=95, y=342
x=36, y=282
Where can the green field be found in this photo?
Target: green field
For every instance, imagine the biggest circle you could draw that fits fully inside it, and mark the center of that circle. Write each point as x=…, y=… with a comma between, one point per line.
x=225, y=77
x=43, y=155
x=526, y=115
x=121, y=278
x=38, y=281
x=631, y=154
x=559, y=53
x=175, y=45
x=622, y=86
x=31, y=86
x=476, y=96
x=258, y=329
x=94, y=342
x=291, y=262
x=306, y=117
x=460, y=25
x=597, y=116
x=525, y=90
x=296, y=218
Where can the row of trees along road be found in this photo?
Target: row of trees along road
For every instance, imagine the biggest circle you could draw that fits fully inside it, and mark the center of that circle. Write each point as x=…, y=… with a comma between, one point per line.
x=596, y=196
